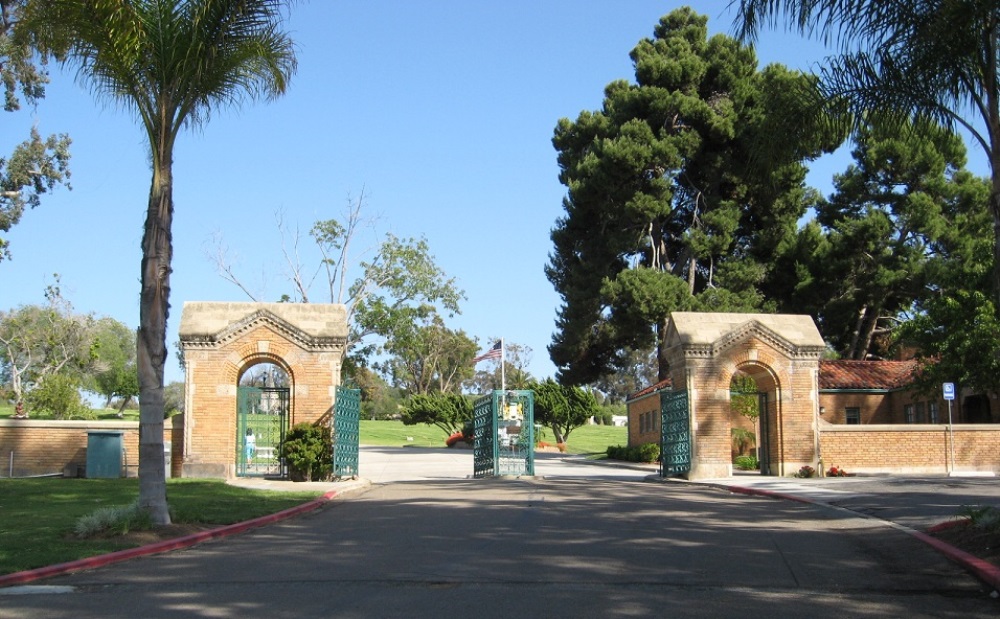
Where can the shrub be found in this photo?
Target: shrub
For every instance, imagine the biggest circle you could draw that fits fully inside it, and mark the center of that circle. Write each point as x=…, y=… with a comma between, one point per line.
x=647, y=452
x=59, y=396
x=114, y=521
x=743, y=440
x=982, y=517
x=746, y=463
x=308, y=450
x=836, y=471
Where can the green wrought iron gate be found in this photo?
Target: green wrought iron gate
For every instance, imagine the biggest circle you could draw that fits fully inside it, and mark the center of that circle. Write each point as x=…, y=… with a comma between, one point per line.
x=764, y=440
x=261, y=423
x=675, y=434
x=504, y=434
x=346, y=416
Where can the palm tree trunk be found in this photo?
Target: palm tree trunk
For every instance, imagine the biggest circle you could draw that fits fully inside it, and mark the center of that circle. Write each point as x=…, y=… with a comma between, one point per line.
x=151, y=341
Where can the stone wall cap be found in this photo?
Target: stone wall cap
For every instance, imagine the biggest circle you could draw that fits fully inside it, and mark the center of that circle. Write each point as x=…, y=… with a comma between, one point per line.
x=206, y=319
x=706, y=328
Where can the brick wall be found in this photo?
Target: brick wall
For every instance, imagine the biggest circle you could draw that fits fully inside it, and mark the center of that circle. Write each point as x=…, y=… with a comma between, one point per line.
x=909, y=449
x=648, y=432
x=34, y=447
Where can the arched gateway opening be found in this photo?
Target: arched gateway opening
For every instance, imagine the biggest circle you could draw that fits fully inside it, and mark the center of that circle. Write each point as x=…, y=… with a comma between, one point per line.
x=710, y=353
x=253, y=370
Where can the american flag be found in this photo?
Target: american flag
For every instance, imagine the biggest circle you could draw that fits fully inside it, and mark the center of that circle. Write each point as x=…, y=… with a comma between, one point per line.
x=493, y=353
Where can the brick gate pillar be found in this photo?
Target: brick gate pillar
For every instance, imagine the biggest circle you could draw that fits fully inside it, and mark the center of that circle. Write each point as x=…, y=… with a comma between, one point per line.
x=221, y=341
x=780, y=351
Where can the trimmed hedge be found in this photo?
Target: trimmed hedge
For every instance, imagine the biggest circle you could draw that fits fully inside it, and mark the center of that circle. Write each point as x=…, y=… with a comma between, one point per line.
x=647, y=452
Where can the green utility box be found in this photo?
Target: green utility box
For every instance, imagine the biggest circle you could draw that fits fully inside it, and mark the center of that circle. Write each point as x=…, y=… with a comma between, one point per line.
x=104, y=453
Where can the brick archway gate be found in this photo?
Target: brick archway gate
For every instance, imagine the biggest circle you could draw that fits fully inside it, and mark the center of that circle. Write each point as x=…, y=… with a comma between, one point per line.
x=221, y=342
x=780, y=352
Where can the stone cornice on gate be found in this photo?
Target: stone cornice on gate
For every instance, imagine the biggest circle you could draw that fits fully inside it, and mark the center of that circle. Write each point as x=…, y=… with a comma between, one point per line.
x=694, y=335
x=315, y=327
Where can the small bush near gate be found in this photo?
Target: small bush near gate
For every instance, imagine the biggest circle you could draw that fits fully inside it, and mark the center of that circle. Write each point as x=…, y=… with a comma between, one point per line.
x=308, y=449
x=836, y=471
x=647, y=452
x=746, y=463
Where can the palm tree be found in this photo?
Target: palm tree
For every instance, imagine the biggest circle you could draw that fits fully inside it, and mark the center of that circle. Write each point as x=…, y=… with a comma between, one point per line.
x=936, y=60
x=171, y=62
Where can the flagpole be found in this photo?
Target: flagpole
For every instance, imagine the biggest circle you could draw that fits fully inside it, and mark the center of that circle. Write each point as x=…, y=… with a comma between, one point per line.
x=503, y=372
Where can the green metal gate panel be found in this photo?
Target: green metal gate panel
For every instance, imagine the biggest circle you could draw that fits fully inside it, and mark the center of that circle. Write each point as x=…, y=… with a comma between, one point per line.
x=484, y=430
x=261, y=424
x=675, y=434
x=764, y=441
x=504, y=434
x=515, y=432
x=346, y=420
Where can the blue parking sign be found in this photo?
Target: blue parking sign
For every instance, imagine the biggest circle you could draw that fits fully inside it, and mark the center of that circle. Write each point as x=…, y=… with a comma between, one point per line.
x=949, y=391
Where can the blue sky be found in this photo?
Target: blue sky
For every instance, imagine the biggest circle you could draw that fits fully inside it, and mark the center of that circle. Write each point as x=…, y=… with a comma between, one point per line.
x=442, y=112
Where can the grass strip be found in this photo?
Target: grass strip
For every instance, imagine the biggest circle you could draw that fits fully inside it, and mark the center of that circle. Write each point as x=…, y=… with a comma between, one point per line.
x=37, y=516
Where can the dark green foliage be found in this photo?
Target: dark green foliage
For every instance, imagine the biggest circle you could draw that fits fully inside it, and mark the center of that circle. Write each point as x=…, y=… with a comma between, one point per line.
x=58, y=396
x=448, y=411
x=679, y=190
x=308, y=450
x=743, y=440
x=901, y=61
x=889, y=211
x=562, y=408
x=647, y=452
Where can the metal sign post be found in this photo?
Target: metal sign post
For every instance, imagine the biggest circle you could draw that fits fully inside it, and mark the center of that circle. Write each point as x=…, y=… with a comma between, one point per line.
x=949, y=395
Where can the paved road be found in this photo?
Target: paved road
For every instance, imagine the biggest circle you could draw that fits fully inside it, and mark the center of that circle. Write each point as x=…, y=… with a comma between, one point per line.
x=605, y=544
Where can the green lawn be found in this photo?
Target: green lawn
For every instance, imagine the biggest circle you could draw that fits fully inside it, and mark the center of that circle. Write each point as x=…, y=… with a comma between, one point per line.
x=583, y=440
x=7, y=411
x=37, y=516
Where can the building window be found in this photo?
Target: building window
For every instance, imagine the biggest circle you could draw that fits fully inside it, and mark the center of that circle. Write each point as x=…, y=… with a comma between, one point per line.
x=645, y=423
x=920, y=413
x=853, y=415
x=908, y=413
x=932, y=412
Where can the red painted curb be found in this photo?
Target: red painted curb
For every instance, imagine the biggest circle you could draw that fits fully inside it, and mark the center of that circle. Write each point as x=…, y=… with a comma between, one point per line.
x=20, y=578
x=983, y=570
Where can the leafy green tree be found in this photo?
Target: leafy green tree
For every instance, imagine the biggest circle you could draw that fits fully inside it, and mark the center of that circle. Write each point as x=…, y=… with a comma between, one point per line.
x=385, y=297
x=679, y=191
x=427, y=357
x=113, y=352
x=953, y=329
x=635, y=370
x=58, y=395
x=171, y=62
x=882, y=222
x=173, y=397
x=36, y=165
x=563, y=408
x=40, y=341
x=448, y=411
x=906, y=60
x=957, y=337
